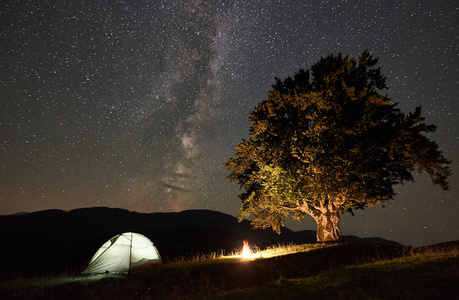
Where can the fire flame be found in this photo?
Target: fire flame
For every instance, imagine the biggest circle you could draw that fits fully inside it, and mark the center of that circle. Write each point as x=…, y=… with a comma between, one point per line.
x=246, y=252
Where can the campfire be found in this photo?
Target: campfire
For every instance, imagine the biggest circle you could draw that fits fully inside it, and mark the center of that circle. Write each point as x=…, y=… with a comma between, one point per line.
x=246, y=251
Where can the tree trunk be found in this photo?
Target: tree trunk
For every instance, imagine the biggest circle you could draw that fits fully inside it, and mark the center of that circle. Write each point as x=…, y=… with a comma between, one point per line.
x=328, y=227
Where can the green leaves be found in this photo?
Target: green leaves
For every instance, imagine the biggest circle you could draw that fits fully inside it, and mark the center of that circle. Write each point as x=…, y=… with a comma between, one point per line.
x=327, y=140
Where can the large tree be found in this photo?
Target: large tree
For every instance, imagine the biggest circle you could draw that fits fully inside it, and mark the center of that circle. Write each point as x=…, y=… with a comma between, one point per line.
x=328, y=141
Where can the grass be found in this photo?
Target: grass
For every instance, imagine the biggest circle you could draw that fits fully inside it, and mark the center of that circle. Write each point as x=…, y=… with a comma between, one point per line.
x=276, y=250
x=348, y=271
x=270, y=251
x=427, y=275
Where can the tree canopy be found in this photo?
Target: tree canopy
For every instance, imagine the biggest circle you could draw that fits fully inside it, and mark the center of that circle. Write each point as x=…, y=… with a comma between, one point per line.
x=328, y=141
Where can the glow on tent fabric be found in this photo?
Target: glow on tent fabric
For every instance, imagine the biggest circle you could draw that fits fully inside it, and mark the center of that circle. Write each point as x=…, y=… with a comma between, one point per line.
x=122, y=253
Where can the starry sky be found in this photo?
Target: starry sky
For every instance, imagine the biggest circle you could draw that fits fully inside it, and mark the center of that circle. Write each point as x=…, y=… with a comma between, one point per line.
x=137, y=104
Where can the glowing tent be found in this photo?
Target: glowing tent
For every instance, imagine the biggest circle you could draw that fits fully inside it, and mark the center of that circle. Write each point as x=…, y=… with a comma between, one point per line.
x=122, y=253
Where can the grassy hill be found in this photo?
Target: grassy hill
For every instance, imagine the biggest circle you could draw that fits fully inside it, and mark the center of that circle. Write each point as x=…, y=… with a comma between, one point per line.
x=344, y=271
x=431, y=274
x=46, y=251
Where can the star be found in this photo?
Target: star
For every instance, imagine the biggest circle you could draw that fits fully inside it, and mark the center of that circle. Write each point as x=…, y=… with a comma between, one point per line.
x=138, y=104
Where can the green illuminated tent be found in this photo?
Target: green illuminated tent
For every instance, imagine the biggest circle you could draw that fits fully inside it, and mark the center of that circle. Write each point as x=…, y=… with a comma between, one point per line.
x=122, y=253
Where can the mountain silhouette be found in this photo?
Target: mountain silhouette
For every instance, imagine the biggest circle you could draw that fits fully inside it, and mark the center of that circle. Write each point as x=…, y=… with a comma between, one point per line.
x=53, y=241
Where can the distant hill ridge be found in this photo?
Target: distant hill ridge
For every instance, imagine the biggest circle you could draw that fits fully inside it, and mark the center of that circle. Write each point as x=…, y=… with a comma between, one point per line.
x=58, y=238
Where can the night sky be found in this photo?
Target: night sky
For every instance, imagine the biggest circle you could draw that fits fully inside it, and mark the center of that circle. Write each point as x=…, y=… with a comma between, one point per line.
x=138, y=104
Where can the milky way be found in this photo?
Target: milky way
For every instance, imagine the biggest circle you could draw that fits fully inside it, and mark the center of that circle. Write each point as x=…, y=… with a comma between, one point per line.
x=138, y=104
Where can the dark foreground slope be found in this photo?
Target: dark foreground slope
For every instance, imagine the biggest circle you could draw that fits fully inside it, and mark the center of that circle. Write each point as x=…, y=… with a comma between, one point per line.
x=55, y=241
x=346, y=271
x=430, y=272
